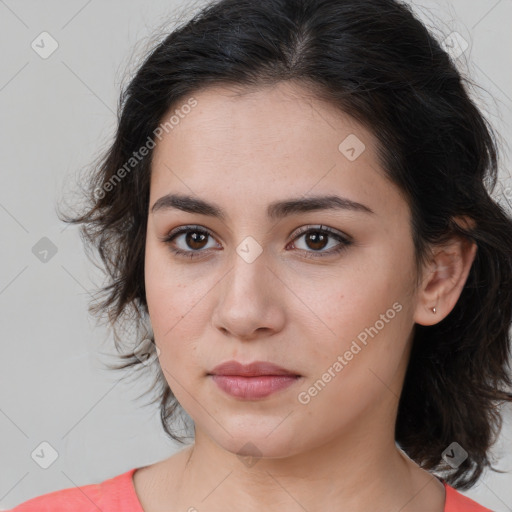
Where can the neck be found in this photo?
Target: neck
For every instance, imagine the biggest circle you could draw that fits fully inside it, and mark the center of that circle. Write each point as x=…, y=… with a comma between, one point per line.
x=347, y=475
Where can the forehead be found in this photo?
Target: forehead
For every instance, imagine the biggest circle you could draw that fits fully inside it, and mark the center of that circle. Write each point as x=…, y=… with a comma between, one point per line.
x=270, y=141
x=279, y=115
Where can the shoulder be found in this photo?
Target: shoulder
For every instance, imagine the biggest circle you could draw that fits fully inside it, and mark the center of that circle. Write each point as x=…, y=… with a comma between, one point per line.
x=116, y=493
x=457, y=502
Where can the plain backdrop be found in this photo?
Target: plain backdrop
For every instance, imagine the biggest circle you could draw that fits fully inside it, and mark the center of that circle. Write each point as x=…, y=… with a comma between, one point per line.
x=58, y=112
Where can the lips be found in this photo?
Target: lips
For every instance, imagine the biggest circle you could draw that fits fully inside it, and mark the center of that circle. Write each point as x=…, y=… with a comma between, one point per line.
x=255, y=369
x=253, y=381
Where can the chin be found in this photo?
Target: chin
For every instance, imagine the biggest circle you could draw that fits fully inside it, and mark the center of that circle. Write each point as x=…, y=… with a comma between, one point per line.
x=253, y=445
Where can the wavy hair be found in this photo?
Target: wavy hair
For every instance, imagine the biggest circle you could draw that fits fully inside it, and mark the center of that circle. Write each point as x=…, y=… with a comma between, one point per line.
x=376, y=61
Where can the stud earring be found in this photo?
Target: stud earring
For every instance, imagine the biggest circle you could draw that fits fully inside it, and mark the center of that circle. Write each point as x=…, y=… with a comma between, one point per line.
x=434, y=310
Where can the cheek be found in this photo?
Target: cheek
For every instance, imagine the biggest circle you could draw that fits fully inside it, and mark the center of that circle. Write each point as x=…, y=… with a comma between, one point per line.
x=361, y=360
x=166, y=293
x=369, y=306
x=176, y=307
x=163, y=296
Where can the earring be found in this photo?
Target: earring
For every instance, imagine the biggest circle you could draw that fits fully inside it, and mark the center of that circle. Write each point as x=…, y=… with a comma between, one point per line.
x=434, y=310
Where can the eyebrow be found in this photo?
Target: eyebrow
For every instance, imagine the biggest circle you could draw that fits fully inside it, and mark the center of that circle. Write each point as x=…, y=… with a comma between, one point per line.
x=276, y=210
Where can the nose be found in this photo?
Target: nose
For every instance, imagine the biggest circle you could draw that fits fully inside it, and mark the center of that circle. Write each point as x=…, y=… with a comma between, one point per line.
x=249, y=300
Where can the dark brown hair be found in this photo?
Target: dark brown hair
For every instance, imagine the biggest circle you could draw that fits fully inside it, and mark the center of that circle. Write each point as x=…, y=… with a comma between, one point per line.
x=374, y=60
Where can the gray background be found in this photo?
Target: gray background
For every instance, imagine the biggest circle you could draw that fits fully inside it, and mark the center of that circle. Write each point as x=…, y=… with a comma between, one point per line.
x=58, y=113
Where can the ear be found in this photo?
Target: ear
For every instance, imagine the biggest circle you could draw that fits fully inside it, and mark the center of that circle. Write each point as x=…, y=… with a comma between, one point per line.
x=445, y=277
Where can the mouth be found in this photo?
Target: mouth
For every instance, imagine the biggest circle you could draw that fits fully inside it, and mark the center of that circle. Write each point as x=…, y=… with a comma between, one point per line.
x=255, y=369
x=252, y=381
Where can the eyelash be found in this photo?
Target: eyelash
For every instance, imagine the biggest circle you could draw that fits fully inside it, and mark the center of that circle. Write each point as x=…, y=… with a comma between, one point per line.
x=344, y=241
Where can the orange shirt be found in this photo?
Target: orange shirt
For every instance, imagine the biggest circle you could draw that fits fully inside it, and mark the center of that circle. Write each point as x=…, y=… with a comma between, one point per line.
x=118, y=494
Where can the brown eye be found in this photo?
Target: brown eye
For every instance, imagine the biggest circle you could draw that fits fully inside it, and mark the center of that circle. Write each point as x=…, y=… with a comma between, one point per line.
x=194, y=241
x=317, y=239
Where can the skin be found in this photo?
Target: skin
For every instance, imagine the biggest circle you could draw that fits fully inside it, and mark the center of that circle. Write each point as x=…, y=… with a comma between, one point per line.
x=243, y=152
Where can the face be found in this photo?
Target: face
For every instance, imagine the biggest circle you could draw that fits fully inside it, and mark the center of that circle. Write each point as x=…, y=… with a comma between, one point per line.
x=324, y=292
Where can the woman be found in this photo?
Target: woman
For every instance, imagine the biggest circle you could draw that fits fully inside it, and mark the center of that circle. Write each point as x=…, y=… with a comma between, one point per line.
x=295, y=208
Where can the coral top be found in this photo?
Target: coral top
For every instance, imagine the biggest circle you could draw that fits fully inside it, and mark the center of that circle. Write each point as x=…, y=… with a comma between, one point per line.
x=118, y=494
